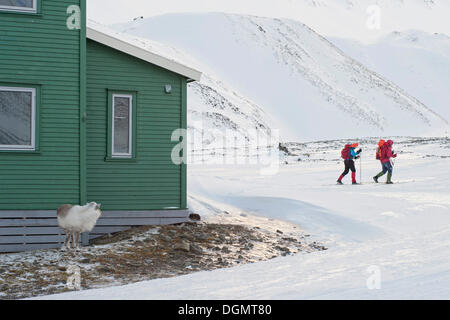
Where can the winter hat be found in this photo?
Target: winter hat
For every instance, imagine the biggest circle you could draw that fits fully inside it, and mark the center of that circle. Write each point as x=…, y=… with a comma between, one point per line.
x=355, y=145
x=381, y=143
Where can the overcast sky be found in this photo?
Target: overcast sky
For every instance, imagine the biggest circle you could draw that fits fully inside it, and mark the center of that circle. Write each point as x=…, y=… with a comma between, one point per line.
x=112, y=11
x=334, y=20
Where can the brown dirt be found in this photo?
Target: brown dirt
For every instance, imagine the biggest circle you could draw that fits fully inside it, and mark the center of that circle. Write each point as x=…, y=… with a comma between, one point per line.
x=145, y=253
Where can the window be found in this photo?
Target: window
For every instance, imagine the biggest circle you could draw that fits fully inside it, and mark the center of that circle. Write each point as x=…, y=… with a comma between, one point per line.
x=17, y=118
x=122, y=126
x=19, y=5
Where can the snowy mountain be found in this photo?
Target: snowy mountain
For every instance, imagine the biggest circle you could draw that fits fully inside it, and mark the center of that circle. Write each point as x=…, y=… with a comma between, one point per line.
x=348, y=18
x=310, y=88
x=417, y=61
x=214, y=106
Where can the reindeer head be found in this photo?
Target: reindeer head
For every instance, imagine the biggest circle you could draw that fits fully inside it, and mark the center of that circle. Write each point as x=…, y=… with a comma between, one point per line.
x=95, y=206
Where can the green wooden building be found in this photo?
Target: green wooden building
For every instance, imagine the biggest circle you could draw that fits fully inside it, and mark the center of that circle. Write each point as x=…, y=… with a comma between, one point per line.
x=84, y=116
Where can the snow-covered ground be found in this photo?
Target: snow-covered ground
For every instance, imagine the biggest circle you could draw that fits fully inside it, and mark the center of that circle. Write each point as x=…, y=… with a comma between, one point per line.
x=399, y=232
x=271, y=73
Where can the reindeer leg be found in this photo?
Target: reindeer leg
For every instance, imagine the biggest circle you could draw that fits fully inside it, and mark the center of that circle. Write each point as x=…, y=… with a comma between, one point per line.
x=66, y=245
x=77, y=241
x=73, y=240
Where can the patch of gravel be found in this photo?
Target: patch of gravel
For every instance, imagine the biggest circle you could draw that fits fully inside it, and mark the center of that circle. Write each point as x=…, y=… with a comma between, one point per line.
x=146, y=253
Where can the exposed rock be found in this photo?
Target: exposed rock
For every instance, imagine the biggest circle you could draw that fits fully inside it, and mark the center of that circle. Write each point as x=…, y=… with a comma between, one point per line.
x=173, y=233
x=105, y=269
x=137, y=255
x=284, y=249
x=225, y=250
x=196, y=249
x=183, y=246
x=202, y=237
x=195, y=217
x=166, y=238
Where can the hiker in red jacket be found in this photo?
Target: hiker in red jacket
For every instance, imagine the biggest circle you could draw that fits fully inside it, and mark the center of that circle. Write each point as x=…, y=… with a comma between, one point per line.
x=385, y=157
x=348, y=154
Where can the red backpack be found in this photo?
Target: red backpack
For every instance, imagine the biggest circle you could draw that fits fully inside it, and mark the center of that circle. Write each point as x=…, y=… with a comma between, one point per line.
x=379, y=154
x=346, y=151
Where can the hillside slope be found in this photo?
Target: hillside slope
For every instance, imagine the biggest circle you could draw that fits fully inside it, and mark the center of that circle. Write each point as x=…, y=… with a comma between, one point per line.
x=310, y=87
x=417, y=61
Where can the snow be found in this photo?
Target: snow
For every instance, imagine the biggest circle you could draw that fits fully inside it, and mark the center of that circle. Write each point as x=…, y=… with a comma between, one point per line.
x=341, y=18
x=213, y=104
x=293, y=74
x=400, y=230
x=417, y=61
x=280, y=74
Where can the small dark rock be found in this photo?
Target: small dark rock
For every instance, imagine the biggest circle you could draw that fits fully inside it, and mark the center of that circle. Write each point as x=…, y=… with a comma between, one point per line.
x=195, y=217
x=166, y=238
x=85, y=260
x=173, y=233
x=196, y=249
x=202, y=237
x=183, y=246
x=225, y=250
x=104, y=269
x=279, y=231
x=284, y=249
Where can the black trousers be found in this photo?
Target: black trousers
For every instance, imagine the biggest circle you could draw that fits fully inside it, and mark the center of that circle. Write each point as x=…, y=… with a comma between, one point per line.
x=349, y=165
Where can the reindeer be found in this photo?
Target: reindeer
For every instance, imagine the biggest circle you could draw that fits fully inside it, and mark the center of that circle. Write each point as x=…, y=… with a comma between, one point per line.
x=75, y=220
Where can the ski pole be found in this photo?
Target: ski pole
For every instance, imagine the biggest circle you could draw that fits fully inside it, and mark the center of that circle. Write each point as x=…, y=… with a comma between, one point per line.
x=360, y=170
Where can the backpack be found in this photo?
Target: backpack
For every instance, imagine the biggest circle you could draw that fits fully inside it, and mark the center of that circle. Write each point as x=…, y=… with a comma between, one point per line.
x=346, y=151
x=379, y=153
x=383, y=152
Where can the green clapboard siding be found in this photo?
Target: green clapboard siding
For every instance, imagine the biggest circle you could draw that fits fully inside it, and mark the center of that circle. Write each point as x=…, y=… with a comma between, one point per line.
x=150, y=181
x=39, y=50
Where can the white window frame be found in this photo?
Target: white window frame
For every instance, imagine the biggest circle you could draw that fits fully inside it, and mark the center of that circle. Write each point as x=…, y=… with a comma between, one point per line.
x=130, y=127
x=20, y=9
x=33, y=120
